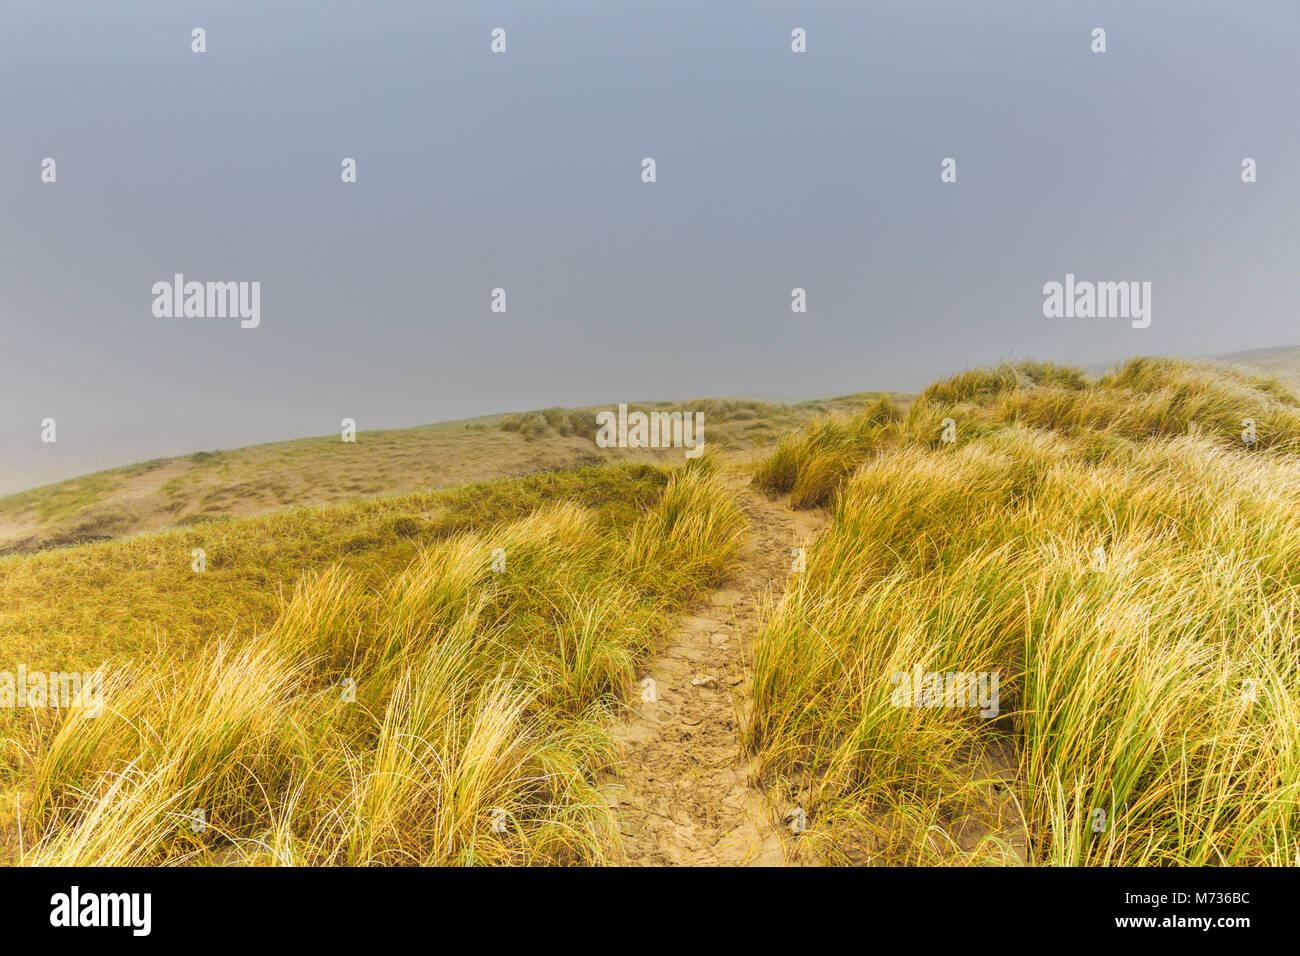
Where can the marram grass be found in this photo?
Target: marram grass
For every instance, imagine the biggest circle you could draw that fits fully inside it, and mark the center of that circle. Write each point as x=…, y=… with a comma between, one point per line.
x=369, y=684
x=1131, y=579
x=455, y=712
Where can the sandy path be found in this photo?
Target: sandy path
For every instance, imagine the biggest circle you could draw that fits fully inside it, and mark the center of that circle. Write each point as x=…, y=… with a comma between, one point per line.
x=683, y=794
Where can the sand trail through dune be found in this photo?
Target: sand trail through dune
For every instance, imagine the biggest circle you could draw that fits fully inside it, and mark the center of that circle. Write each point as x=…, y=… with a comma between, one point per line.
x=684, y=794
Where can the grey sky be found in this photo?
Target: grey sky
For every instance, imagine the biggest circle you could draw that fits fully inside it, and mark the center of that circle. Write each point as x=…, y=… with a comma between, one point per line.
x=522, y=170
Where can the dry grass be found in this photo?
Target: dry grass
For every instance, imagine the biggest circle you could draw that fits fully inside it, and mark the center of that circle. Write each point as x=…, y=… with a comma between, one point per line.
x=364, y=684
x=451, y=712
x=1134, y=587
x=263, y=479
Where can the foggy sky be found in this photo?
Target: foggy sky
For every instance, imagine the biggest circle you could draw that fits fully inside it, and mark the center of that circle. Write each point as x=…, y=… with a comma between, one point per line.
x=523, y=171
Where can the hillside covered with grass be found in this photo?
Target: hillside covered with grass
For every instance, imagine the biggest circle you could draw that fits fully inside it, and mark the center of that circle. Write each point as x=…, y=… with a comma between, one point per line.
x=212, y=485
x=457, y=666
x=435, y=676
x=1123, y=553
